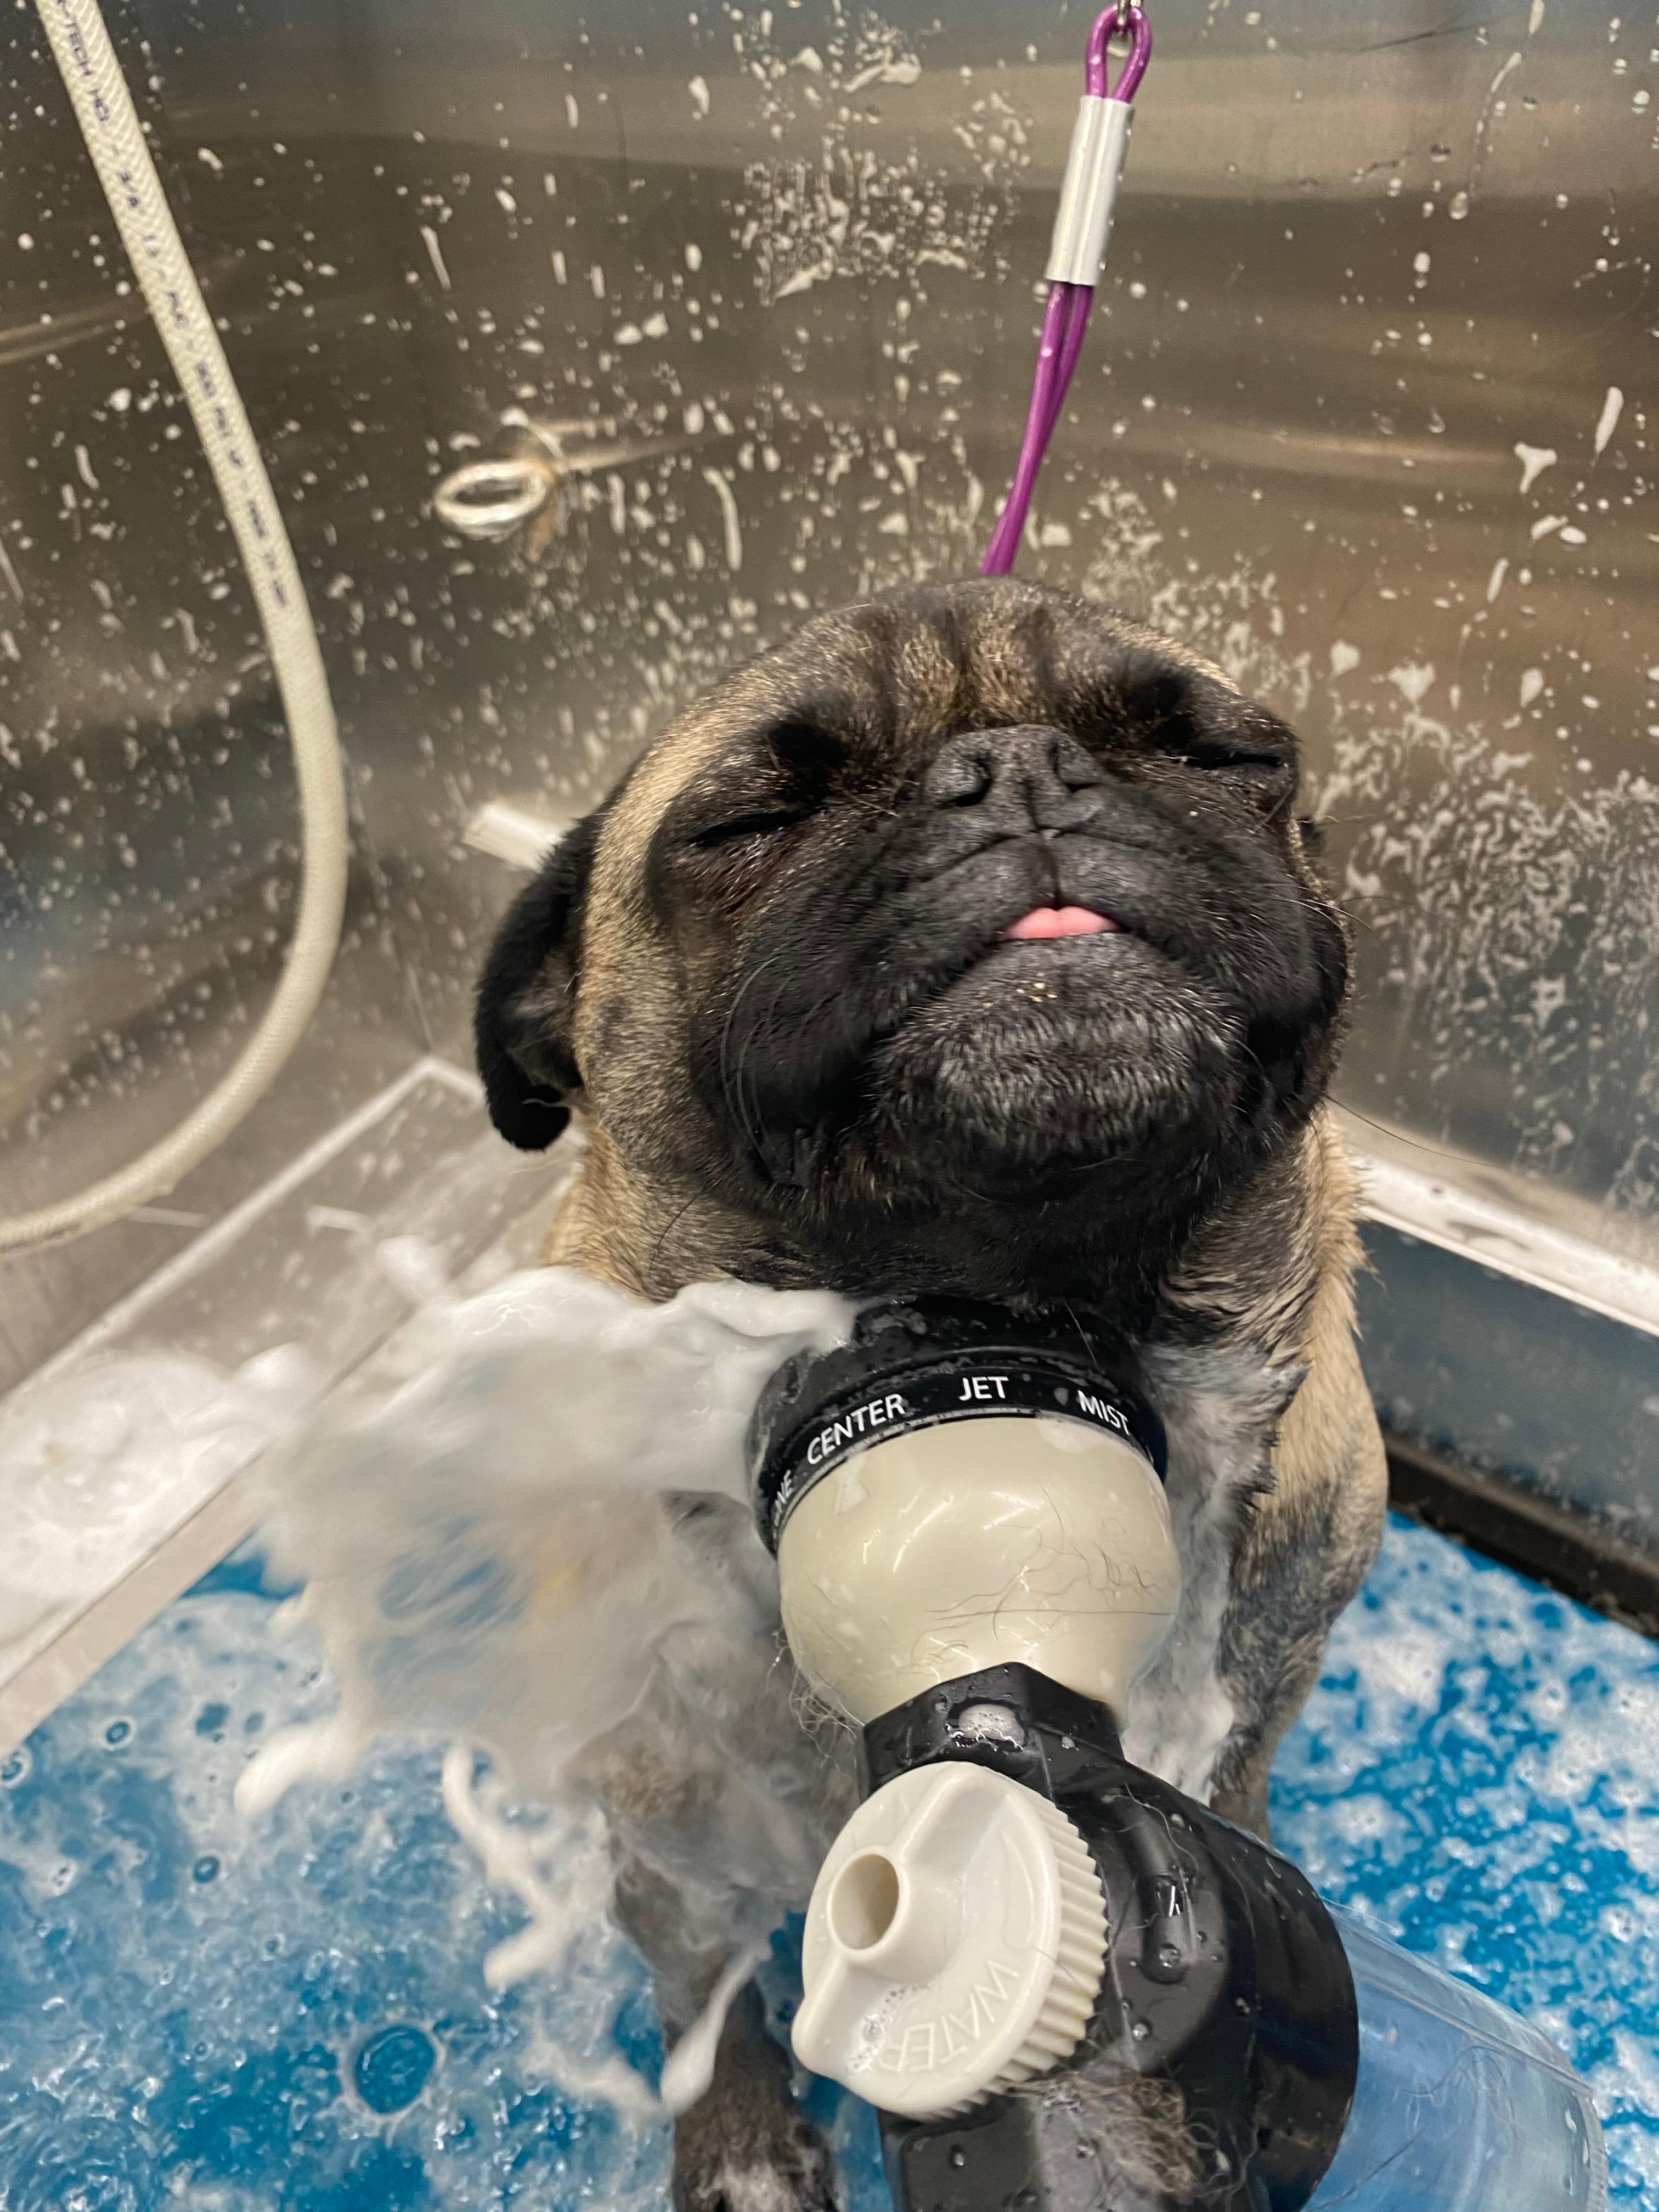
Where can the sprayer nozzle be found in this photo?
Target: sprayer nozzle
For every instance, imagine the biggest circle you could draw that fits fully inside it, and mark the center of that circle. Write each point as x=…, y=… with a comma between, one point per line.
x=955, y=1943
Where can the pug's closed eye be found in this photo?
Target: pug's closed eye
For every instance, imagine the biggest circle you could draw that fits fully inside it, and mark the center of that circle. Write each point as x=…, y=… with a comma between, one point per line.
x=1187, y=717
x=1268, y=774
x=740, y=826
x=797, y=760
x=1254, y=762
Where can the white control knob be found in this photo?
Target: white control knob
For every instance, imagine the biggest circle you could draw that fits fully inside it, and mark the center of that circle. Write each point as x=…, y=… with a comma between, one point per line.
x=955, y=1943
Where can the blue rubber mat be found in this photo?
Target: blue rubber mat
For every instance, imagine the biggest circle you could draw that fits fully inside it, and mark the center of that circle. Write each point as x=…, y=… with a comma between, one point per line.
x=291, y=2016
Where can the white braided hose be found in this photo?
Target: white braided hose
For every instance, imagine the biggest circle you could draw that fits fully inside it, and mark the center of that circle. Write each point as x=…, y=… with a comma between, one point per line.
x=109, y=123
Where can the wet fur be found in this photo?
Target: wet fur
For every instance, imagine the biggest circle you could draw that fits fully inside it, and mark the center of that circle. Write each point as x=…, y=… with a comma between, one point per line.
x=788, y=1074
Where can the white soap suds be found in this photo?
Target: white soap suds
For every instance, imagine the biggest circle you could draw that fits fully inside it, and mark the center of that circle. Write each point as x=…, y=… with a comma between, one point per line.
x=434, y=254
x=1612, y=407
x=1534, y=460
x=689, y=2067
x=1412, y=682
x=100, y=1462
x=541, y=1548
x=730, y=522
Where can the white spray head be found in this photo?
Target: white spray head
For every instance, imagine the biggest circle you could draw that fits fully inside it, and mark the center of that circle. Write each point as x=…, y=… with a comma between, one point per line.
x=946, y=1550
x=955, y=1943
x=960, y=1488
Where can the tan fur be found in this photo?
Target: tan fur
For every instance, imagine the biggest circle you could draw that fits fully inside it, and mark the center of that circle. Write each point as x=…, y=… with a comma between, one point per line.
x=1310, y=1533
x=613, y=1225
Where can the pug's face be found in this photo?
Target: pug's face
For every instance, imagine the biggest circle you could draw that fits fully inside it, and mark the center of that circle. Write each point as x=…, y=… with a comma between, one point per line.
x=969, y=941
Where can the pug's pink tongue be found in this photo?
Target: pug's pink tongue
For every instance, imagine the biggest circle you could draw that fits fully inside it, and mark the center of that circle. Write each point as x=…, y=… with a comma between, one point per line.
x=1059, y=921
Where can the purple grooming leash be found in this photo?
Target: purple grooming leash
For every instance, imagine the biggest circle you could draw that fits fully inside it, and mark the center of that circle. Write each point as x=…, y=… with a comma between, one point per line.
x=1082, y=227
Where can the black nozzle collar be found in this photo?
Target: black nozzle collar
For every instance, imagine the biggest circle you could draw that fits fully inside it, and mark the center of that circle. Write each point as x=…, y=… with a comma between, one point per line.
x=914, y=1363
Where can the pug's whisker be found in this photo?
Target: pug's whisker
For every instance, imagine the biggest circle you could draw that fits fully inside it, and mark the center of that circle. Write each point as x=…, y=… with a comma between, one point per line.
x=770, y=1028
x=667, y=1231
x=733, y=1098
x=1398, y=1136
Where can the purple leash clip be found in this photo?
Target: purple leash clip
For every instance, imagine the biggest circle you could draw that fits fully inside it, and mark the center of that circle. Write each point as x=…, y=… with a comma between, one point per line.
x=1088, y=193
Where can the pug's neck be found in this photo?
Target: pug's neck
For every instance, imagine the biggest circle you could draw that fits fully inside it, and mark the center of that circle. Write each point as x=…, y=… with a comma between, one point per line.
x=1245, y=1276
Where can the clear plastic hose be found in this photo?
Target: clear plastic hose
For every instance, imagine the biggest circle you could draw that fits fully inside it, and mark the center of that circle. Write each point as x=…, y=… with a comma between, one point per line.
x=109, y=123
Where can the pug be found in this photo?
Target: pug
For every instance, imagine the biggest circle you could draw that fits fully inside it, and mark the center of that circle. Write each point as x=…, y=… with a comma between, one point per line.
x=973, y=942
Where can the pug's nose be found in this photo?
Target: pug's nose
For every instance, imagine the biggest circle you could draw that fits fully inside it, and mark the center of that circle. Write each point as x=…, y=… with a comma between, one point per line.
x=1027, y=776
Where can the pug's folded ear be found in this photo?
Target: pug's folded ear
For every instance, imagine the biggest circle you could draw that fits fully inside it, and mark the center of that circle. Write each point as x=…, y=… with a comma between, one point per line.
x=524, y=1023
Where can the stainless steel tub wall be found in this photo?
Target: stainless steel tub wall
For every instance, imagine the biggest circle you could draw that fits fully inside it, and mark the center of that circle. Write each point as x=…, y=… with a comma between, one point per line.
x=1366, y=415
